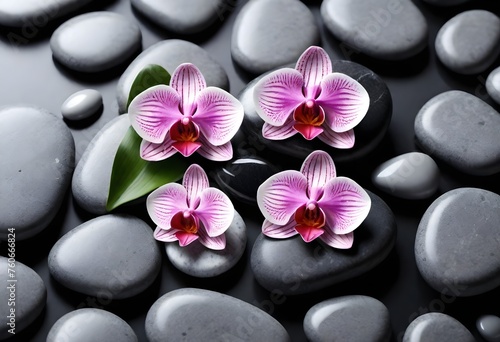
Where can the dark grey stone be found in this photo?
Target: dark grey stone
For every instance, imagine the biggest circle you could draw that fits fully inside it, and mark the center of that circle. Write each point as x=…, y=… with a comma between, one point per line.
x=271, y=33
x=461, y=130
x=368, y=133
x=493, y=85
x=91, y=325
x=191, y=314
x=91, y=179
x=489, y=327
x=200, y=261
x=295, y=267
x=38, y=157
x=82, y=104
x=95, y=41
x=348, y=319
x=469, y=42
x=458, y=242
x=411, y=175
x=437, y=327
x=113, y=255
x=385, y=29
x=30, y=297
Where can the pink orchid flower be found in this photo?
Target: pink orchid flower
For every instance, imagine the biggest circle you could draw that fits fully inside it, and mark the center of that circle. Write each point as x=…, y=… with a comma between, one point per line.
x=191, y=211
x=311, y=100
x=313, y=203
x=185, y=117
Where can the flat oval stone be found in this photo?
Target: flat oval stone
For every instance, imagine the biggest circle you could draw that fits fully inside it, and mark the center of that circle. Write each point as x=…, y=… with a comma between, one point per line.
x=85, y=325
x=349, y=319
x=271, y=33
x=469, y=42
x=437, y=327
x=38, y=157
x=91, y=180
x=489, y=327
x=457, y=247
x=411, y=175
x=493, y=85
x=368, y=133
x=95, y=41
x=191, y=314
x=170, y=54
x=384, y=29
x=199, y=261
x=82, y=104
x=182, y=16
x=461, y=130
x=295, y=267
x=113, y=255
x=30, y=296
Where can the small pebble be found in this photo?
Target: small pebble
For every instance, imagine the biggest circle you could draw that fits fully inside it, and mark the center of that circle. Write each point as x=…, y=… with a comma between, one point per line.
x=489, y=327
x=493, y=85
x=82, y=104
x=437, y=327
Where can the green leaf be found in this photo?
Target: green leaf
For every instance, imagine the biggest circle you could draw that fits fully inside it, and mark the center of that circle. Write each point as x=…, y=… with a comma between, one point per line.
x=151, y=75
x=133, y=177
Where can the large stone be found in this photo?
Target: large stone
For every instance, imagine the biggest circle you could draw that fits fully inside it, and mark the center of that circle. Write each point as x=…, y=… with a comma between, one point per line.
x=437, y=327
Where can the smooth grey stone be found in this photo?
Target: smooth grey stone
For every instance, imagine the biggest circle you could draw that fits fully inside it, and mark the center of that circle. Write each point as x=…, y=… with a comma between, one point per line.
x=469, y=42
x=170, y=54
x=368, y=133
x=95, y=41
x=113, y=255
x=38, y=157
x=182, y=16
x=348, y=319
x=82, y=104
x=200, y=261
x=91, y=325
x=458, y=242
x=191, y=314
x=411, y=175
x=437, y=327
x=271, y=33
x=493, y=85
x=461, y=130
x=295, y=267
x=91, y=180
x=445, y=3
x=489, y=327
x=384, y=29
x=30, y=297
x=32, y=14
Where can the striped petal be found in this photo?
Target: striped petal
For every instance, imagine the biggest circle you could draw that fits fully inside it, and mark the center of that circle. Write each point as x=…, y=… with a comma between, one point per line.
x=165, y=235
x=318, y=168
x=155, y=152
x=163, y=203
x=215, y=153
x=342, y=140
x=279, y=132
x=279, y=231
x=313, y=64
x=215, y=211
x=344, y=241
x=195, y=181
x=188, y=81
x=216, y=242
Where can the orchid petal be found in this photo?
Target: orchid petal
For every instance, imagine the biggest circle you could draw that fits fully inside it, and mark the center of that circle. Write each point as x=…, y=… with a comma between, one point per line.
x=344, y=241
x=308, y=234
x=277, y=94
x=281, y=195
x=154, y=111
x=215, y=153
x=215, y=211
x=188, y=81
x=165, y=235
x=156, y=152
x=279, y=132
x=195, y=181
x=313, y=64
x=163, y=203
x=216, y=242
x=186, y=148
x=342, y=140
x=318, y=168
x=344, y=100
x=219, y=115
x=279, y=231
x=345, y=203
x=308, y=131
x=185, y=238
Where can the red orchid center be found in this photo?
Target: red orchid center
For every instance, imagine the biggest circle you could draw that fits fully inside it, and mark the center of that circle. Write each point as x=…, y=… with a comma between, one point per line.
x=185, y=221
x=309, y=113
x=310, y=215
x=184, y=130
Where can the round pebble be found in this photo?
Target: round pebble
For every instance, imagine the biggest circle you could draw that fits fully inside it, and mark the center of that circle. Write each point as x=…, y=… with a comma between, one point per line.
x=82, y=104
x=493, y=85
x=489, y=327
x=437, y=327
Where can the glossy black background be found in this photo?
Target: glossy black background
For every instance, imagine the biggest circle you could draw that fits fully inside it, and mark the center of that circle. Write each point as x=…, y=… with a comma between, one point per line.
x=28, y=74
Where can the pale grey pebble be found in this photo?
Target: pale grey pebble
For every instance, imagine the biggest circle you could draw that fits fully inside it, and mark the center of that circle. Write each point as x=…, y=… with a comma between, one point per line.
x=191, y=314
x=411, y=175
x=82, y=104
x=38, y=157
x=437, y=327
x=469, y=42
x=384, y=29
x=199, y=261
x=30, y=297
x=457, y=245
x=170, y=54
x=114, y=255
x=95, y=41
x=348, y=319
x=181, y=16
x=270, y=33
x=91, y=179
x=489, y=327
x=461, y=130
x=91, y=325
x=446, y=3
x=493, y=85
